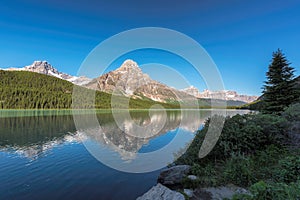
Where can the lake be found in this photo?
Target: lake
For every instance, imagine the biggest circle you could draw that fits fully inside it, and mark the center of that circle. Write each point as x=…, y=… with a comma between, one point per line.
x=45, y=155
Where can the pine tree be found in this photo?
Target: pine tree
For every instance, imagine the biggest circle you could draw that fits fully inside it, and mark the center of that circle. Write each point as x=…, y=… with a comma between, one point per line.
x=279, y=89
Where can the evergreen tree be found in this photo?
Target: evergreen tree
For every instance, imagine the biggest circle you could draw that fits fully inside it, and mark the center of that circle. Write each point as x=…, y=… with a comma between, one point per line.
x=279, y=89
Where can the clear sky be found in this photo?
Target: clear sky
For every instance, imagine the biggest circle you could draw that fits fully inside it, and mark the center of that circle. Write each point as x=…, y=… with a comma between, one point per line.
x=240, y=35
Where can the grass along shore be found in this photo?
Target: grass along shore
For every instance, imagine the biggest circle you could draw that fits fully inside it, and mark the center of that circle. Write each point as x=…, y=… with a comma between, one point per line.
x=259, y=152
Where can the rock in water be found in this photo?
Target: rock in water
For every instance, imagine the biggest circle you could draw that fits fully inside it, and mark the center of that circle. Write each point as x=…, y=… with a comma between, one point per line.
x=174, y=175
x=160, y=192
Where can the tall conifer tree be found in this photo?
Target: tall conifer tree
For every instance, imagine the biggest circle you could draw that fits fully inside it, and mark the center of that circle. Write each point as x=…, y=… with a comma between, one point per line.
x=279, y=89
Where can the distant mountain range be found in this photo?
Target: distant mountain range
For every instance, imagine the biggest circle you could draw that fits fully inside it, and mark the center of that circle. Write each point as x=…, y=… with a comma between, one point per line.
x=224, y=95
x=43, y=67
x=129, y=80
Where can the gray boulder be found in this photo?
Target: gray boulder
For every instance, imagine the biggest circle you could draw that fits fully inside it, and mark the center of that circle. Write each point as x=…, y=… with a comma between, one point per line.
x=160, y=192
x=188, y=192
x=173, y=175
x=192, y=177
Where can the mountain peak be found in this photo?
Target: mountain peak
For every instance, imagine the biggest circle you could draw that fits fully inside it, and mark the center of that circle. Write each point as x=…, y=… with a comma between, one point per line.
x=129, y=79
x=129, y=62
x=192, y=90
x=38, y=62
x=129, y=65
x=42, y=67
x=192, y=87
x=41, y=64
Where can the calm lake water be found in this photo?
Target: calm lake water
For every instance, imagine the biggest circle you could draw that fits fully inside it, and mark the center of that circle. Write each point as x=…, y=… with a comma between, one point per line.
x=44, y=156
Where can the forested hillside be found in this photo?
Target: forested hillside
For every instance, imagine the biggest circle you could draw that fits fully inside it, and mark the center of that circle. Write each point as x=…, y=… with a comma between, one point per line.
x=29, y=90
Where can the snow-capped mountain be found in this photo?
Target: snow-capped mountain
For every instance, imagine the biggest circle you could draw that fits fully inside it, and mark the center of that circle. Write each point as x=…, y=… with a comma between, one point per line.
x=43, y=67
x=192, y=91
x=224, y=95
x=129, y=79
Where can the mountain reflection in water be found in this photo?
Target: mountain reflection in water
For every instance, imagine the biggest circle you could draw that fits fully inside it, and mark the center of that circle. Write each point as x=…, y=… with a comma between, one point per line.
x=33, y=136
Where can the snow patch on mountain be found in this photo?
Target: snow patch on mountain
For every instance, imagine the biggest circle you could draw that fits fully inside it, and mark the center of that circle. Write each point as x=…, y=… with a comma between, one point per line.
x=43, y=67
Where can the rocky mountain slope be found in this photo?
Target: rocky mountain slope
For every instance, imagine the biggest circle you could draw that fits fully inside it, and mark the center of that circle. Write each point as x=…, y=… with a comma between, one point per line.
x=130, y=80
x=224, y=95
x=43, y=67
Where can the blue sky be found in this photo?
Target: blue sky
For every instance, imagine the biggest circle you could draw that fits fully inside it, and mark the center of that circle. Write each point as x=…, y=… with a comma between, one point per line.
x=240, y=36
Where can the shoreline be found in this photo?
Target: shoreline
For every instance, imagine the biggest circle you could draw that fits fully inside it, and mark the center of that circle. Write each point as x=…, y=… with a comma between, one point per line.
x=49, y=112
x=256, y=165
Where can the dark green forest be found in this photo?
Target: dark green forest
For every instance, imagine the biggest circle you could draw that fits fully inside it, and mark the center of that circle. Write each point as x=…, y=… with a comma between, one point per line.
x=33, y=90
x=29, y=90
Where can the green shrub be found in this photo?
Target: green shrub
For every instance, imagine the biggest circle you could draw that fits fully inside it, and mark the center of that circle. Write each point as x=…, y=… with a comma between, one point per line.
x=241, y=134
x=292, y=113
x=269, y=156
x=191, y=155
x=288, y=169
x=207, y=174
x=266, y=162
x=270, y=191
x=247, y=134
x=237, y=170
x=251, y=147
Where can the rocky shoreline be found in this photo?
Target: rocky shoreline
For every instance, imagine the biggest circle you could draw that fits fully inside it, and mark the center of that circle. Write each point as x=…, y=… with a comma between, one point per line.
x=170, y=187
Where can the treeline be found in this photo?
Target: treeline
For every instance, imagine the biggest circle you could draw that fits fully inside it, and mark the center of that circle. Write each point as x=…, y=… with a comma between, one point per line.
x=29, y=90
